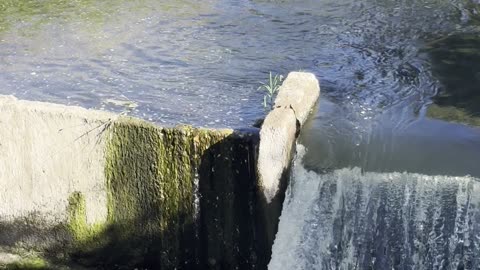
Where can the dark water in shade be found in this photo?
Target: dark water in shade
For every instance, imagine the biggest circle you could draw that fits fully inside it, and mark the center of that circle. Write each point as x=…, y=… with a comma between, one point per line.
x=382, y=185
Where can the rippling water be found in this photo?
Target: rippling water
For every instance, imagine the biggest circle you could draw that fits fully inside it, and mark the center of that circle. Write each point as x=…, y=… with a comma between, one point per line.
x=201, y=63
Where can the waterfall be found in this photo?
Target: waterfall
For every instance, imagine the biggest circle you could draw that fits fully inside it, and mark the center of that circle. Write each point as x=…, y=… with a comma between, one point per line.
x=349, y=219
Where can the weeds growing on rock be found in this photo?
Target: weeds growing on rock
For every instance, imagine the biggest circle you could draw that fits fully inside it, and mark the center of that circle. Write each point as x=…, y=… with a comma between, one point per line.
x=271, y=89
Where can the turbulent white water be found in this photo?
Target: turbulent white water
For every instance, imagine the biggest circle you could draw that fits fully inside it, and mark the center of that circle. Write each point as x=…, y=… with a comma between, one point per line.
x=348, y=219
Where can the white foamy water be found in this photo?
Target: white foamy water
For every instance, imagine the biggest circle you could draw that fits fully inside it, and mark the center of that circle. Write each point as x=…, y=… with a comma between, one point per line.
x=348, y=219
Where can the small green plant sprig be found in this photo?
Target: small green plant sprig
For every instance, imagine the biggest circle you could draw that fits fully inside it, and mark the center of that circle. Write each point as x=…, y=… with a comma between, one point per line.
x=271, y=88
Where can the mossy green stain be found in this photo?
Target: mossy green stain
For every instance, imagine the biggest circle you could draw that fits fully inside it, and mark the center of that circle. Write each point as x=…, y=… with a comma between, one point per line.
x=77, y=216
x=150, y=173
x=28, y=264
x=85, y=236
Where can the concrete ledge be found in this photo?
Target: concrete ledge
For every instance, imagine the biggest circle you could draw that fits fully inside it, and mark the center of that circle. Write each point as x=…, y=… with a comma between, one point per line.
x=49, y=151
x=103, y=190
x=295, y=100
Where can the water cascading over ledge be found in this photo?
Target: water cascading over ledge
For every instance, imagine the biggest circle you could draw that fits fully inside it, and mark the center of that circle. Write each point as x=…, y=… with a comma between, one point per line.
x=91, y=188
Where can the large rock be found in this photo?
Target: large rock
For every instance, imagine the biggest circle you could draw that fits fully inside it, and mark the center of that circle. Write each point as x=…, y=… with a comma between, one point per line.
x=300, y=91
x=295, y=100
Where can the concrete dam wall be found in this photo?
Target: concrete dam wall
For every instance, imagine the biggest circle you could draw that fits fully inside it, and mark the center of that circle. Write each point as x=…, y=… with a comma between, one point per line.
x=89, y=189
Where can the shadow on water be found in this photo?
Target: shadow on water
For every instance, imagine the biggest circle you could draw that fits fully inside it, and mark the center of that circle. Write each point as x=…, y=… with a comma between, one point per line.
x=456, y=64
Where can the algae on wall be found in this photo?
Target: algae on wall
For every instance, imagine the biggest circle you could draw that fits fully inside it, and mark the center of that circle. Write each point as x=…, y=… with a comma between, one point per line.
x=127, y=194
x=150, y=180
x=178, y=198
x=181, y=198
x=28, y=264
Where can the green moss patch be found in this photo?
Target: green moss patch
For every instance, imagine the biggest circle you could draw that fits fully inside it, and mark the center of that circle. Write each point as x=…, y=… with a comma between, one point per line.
x=155, y=219
x=28, y=264
x=151, y=175
x=85, y=236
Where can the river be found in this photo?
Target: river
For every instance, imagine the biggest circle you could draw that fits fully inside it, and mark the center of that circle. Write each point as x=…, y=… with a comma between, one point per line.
x=387, y=173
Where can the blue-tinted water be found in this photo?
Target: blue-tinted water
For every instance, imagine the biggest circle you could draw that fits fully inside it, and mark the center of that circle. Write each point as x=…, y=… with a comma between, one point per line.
x=202, y=63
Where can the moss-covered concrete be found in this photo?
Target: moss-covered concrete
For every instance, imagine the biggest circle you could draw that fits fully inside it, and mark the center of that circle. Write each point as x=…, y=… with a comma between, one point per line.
x=28, y=264
x=177, y=198
x=21, y=259
x=86, y=237
x=94, y=189
x=150, y=180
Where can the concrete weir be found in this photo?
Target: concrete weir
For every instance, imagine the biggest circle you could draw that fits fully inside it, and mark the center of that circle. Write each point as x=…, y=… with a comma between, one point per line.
x=85, y=189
